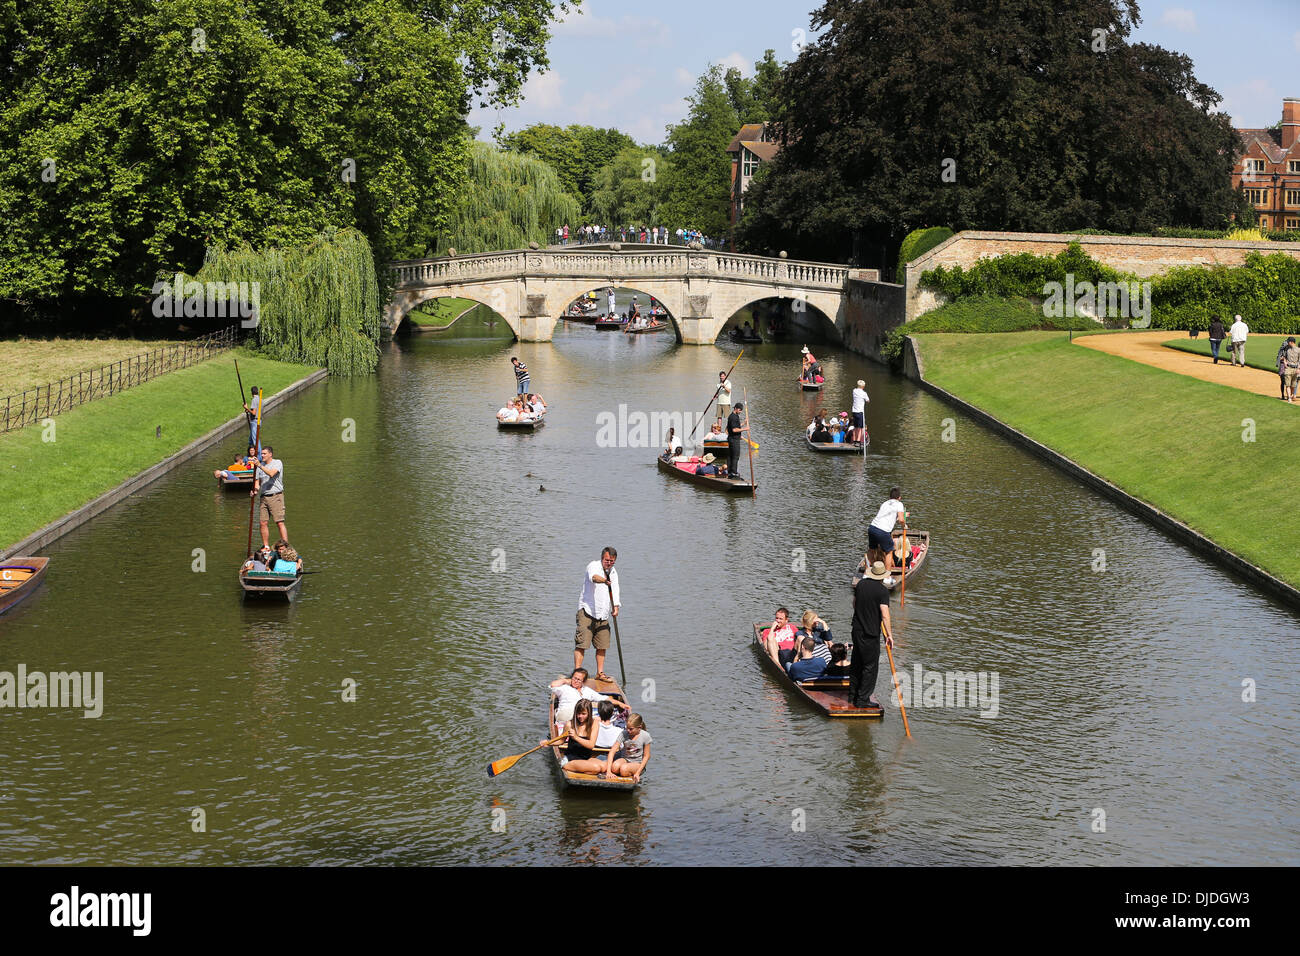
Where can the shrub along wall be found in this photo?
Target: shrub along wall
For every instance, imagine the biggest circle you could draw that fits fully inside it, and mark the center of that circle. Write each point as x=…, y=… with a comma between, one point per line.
x=981, y=314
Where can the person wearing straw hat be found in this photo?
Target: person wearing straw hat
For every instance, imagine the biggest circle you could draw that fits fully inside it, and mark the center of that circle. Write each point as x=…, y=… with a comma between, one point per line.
x=870, y=617
x=708, y=467
x=860, y=400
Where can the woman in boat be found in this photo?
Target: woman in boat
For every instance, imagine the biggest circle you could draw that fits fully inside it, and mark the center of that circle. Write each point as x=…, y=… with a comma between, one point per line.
x=287, y=560
x=717, y=433
x=839, y=665
x=258, y=562
x=673, y=442
x=811, y=625
x=584, y=729
x=631, y=752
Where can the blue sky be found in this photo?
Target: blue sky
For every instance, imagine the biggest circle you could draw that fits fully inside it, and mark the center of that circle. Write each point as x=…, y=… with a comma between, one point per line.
x=630, y=64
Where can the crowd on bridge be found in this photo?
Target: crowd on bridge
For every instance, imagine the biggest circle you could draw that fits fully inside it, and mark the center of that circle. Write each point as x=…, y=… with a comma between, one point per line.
x=651, y=235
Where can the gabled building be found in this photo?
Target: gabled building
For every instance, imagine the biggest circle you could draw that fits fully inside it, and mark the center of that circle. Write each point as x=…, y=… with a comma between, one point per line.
x=754, y=145
x=1268, y=168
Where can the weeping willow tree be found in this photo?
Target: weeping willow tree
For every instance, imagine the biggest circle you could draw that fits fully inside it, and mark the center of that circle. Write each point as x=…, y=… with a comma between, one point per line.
x=509, y=200
x=318, y=302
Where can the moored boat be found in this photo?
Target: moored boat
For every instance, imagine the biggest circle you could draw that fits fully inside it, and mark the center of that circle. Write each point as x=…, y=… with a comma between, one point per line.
x=19, y=578
x=830, y=695
x=836, y=447
x=918, y=541
x=609, y=688
x=608, y=325
x=716, y=482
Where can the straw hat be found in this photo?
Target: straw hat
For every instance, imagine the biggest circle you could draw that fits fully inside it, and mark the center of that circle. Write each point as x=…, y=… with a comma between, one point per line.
x=805, y=350
x=709, y=459
x=877, y=572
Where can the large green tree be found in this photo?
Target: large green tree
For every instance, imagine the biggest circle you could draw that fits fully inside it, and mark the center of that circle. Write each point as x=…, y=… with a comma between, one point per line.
x=577, y=154
x=629, y=190
x=697, y=186
x=134, y=135
x=1025, y=116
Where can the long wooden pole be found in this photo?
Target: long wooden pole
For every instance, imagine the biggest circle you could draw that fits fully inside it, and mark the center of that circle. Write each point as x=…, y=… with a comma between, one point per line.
x=715, y=393
x=252, y=504
x=902, y=579
x=753, y=488
x=242, y=400
x=617, y=639
x=903, y=710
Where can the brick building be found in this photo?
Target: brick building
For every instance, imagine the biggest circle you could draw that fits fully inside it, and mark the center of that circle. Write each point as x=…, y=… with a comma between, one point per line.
x=1268, y=168
x=754, y=145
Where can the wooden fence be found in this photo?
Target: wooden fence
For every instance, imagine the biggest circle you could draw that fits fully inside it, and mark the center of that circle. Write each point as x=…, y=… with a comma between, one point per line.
x=46, y=401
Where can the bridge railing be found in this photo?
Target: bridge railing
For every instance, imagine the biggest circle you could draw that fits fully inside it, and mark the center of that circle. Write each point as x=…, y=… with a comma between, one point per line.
x=609, y=265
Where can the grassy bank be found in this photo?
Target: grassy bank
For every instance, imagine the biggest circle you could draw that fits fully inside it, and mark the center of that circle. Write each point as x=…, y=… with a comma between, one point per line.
x=439, y=313
x=101, y=444
x=978, y=315
x=1260, y=349
x=27, y=363
x=1172, y=441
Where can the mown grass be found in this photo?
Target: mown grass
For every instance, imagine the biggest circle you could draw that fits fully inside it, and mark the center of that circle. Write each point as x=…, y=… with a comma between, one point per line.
x=983, y=314
x=1174, y=442
x=101, y=444
x=27, y=363
x=439, y=313
x=1260, y=349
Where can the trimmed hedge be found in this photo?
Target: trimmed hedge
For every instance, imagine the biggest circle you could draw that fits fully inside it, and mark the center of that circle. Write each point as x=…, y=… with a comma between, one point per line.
x=982, y=315
x=1022, y=275
x=918, y=243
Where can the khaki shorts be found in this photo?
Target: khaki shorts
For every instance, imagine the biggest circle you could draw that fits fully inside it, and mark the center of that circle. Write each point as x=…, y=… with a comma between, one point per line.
x=591, y=632
x=271, y=508
x=1289, y=377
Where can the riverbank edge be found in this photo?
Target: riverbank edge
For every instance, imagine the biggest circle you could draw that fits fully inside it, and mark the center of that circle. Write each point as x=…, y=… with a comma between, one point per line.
x=914, y=369
x=75, y=519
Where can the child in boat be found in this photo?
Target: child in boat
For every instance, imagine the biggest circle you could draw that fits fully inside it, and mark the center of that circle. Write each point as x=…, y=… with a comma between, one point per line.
x=631, y=752
x=243, y=464
x=259, y=561
x=839, y=665
x=584, y=729
x=608, y=734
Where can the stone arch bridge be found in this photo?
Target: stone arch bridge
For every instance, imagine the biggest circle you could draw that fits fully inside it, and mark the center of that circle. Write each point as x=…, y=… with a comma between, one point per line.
x=700, y=289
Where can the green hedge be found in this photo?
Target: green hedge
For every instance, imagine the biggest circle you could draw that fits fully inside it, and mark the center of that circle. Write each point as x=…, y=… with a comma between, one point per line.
x=981, y=315
x=1178, y=232
x=1021, y=275
x=919, y=242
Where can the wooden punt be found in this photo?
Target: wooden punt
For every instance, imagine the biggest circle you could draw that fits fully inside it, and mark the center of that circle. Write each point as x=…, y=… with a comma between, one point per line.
x=709, y=481
x=915, y=538
x=267, y=585
x=716, y=446
x=830, y=695
x=836, y=447
x=522, y=426
x=604, y=325
x=19, y=577
x=237, y=479
x=811, y=386
x=653, y=328
x=609, y=688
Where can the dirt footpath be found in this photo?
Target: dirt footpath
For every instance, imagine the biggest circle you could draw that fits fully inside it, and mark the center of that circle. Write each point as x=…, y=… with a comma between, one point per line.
x=1145, y=347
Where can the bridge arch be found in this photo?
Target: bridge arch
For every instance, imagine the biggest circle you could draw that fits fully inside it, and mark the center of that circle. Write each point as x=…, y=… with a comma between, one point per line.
x=435, y=295
x=645, y=289
x=805, y=312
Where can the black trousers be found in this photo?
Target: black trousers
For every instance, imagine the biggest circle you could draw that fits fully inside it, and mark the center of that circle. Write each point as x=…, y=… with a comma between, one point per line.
x=733, y=458
x=864, y=667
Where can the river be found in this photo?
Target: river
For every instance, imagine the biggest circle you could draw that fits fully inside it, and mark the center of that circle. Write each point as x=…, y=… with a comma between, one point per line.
x=444, y=601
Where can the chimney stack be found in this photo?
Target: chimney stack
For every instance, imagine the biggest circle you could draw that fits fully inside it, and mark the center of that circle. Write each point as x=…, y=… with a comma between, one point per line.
x=1290, y=121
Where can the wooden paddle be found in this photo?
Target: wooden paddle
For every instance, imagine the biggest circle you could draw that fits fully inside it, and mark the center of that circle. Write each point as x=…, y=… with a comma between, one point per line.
x=753, y=489
x=505, y=763
x=617, y=639
x=897, y=688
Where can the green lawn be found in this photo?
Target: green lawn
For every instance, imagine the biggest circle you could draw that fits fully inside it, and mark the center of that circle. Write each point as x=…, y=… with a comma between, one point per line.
x=27, y=363
x=1260, y=349
x=1172, y=441
x=439, y=313
x=101, y=444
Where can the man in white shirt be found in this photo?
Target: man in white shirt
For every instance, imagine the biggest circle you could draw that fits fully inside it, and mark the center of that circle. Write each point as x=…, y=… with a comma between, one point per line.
x=860, y=400
x=724, y=396
x=598, y=602
x=880, y=534
x=609, y=297
x=508, y=414
x=1237, y=334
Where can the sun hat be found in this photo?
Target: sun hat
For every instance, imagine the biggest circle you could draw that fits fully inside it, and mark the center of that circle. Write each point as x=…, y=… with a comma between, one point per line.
x=805, y=350
x=709, y=459
x=877, y=572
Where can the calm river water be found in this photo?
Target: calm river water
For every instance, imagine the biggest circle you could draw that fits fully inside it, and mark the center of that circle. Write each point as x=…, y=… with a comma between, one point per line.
x=1119, y=691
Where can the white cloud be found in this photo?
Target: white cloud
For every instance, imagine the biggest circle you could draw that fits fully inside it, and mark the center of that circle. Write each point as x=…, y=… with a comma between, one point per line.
x=739, y=61
x=686, y=78
x=1184, y=21
x=544, y=91
x=644, y=30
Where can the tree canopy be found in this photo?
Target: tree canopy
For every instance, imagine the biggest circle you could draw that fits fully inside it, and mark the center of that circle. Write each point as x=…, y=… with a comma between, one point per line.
x=1038, y=117
x=133, y=136
x=577, y=154
x=629, y=190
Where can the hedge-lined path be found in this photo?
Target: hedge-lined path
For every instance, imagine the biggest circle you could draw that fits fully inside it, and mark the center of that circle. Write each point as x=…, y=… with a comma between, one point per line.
x=1146, y=347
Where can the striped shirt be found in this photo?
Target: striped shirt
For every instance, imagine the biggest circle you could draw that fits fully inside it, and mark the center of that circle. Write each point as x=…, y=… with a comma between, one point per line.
x=521, y=372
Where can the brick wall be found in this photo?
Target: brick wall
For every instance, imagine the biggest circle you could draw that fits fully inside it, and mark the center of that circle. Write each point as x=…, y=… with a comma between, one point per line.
x=1145, y=257
x=871, y=309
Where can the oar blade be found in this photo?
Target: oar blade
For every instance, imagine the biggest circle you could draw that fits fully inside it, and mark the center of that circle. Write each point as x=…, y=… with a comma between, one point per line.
x=502, y=765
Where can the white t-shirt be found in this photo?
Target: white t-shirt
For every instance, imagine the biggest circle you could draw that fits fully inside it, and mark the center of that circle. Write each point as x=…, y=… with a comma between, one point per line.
x=860, y=400
x=608, y=735
x=888, y=515
x=567, y=699
x=724, y=394
x=595, y=597
x=508, y=414
x=1238, y=331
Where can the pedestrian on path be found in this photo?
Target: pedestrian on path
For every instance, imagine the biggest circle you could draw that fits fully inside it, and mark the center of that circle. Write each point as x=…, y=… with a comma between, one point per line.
x=1237, y=334
x=1289, y=366
x=1217, y=336
x=597, y=604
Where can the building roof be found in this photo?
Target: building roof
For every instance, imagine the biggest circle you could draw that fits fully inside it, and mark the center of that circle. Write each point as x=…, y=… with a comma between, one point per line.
x=764, y=151
x=1270, y=142
x=750, y=132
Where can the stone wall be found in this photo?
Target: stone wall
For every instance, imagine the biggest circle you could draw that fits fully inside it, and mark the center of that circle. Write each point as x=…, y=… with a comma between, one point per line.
x=1142, y=256
x=870, y=310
